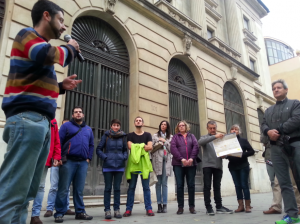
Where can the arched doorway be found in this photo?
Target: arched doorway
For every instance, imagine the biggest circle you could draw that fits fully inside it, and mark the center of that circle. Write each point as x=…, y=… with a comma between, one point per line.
x=2, y=13
x=234, y=109
x=183, y=103
x=104, y=91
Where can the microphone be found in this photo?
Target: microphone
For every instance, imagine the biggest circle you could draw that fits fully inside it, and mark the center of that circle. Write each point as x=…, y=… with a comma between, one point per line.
x=67, y=38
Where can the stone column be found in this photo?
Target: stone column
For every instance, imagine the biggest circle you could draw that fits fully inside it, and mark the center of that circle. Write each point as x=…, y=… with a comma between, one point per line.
x=234, y=31
x=199, y=15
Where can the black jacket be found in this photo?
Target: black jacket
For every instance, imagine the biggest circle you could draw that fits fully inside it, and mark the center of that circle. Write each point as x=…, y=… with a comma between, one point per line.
x=236, y=163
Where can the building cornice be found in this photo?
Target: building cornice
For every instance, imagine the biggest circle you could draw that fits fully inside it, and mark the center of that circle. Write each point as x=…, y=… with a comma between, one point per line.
x=150, y=10
x=265, y=96
x=257, y=7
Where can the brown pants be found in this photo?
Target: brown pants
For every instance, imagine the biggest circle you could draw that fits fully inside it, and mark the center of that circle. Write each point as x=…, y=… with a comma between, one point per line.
x=277, y=198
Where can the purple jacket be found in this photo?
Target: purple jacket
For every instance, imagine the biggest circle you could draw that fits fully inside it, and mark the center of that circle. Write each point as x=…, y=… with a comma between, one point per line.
x=178, y=149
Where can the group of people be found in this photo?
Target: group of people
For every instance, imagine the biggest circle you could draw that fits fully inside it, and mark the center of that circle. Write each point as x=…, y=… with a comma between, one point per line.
x=34, y=143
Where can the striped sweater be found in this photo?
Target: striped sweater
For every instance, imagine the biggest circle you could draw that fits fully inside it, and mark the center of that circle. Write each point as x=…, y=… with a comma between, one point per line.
x=32, y=83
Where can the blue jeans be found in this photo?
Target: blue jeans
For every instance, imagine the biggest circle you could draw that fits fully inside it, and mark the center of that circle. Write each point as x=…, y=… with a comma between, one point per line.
x=75, y=172
x=189, y=173
x=162, y=186
x=28, y=141
x=240, y=178
x=109, y=178
x=54, y=178
x=38, y=201
x=131, y=192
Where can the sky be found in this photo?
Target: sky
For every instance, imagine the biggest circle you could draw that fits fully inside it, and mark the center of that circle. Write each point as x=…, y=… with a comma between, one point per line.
x=283, y=21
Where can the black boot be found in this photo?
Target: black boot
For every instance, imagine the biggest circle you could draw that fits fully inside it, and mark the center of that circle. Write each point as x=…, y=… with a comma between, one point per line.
x=164, y=209
x=159, y=210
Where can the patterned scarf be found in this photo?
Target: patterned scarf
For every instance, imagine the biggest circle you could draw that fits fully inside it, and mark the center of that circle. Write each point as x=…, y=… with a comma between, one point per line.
x=117, y=134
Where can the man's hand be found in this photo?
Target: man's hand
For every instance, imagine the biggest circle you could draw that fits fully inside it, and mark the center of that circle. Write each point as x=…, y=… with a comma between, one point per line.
x=56, y=163
x=74, y=44
x=148, y=148
x=88, y=160
x=219, y=135
x=70, y=83
x=273, y=135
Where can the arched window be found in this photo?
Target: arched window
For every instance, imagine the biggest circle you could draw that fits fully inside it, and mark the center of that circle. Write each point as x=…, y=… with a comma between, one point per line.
x=2, y=12
x=234, y=109
x=104, y=91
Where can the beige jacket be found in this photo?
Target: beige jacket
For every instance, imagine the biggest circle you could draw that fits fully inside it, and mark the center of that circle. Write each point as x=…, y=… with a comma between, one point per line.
x=157, y=157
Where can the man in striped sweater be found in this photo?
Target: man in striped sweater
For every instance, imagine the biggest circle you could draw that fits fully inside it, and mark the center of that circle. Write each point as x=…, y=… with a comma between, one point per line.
x=29, y=104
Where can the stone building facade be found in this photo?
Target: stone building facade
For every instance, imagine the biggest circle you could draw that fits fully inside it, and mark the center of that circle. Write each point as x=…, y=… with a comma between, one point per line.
x=197, y=60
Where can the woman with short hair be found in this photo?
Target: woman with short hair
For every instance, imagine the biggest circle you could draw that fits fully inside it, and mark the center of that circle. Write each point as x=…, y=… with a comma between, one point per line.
x=240, y=169
x=161, y=162
x=184, y=148
x=112, y=149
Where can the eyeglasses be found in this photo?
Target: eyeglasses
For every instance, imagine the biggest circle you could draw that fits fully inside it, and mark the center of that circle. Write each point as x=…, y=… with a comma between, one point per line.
x=77, y=112
x=181, y=125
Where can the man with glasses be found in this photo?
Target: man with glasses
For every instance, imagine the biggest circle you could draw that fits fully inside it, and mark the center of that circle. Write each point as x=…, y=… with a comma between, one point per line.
x=77, y=146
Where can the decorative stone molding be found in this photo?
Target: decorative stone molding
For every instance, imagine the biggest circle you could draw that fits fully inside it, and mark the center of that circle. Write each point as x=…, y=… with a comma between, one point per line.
x=251, y=44
x=212, y=3
x=224, y=47
x=233, y=70
x=110, y=6
x=187, y=44
x=249, y=34
x=260, y=102
x=179, y=16
x=212, y=12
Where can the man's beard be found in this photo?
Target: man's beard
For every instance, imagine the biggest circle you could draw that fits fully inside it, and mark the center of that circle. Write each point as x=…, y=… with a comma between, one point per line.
x=55, y=31
x=77, y=120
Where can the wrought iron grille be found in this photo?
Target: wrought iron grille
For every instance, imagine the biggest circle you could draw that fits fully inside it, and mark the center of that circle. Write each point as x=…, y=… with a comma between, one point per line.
x=2, y=13
x=234, y=110
x=104, y=91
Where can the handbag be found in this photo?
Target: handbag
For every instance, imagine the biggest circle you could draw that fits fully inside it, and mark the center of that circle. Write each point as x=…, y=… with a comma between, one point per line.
x=153, y=179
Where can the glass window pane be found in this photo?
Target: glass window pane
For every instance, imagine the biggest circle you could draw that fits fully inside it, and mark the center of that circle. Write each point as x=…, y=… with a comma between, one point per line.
x=270, y=52
x=279, y=55
x=271, y=59
x=276, y=60
x=246, y=23
x=274, y=45
x=278, y=46
x=209, y=34
x=275, y=53
x=268, y=43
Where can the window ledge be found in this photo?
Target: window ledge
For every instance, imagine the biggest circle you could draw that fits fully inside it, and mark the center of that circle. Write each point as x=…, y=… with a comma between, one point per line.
x=251, y=44
x=178, y=15
x=224, y=47
x=212, y=12
x=212, y=3
x=249, y=34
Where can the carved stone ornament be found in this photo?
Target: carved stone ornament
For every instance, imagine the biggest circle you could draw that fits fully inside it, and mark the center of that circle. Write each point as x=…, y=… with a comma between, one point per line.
x=187, y=44
x=233, y=70
x=110, y=6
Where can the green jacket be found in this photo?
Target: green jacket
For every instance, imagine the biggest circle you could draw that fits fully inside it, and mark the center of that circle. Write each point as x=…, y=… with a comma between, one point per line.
x=138, y=162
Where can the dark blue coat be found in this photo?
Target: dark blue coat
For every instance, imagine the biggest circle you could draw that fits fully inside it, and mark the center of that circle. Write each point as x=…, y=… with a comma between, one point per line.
x=113, y=151
x=81, y=146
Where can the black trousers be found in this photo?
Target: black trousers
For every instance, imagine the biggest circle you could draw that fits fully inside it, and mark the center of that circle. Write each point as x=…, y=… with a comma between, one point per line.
x=214, y=174
x=189, y=173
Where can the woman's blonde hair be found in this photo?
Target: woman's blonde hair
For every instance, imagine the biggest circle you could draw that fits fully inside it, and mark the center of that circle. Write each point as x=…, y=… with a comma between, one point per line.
x=187, y=126
x=236, y=126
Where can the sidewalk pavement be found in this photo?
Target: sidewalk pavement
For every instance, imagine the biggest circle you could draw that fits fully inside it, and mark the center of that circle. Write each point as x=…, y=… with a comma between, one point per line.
x=260, y=202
